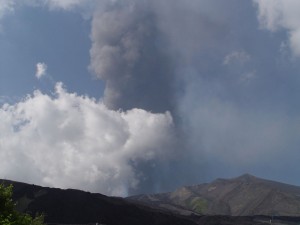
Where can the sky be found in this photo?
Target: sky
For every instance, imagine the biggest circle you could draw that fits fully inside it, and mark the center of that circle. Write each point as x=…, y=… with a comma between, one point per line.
x=123, y=97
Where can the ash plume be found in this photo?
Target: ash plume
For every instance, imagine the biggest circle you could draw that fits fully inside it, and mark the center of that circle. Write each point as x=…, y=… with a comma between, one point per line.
x=130, y=55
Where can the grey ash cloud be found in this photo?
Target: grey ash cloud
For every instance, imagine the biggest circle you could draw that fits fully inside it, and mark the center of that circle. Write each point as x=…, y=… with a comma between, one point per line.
x=129, y=54
x=214, y=68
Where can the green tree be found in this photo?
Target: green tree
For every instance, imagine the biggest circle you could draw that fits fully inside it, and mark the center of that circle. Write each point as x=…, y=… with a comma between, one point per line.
x=8, y=213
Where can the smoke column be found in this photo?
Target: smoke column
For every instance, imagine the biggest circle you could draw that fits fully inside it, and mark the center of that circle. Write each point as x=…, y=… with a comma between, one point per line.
x=202, y=61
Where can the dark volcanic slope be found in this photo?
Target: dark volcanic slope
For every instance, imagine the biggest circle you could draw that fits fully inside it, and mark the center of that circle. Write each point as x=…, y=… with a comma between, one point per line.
x=78, y=207
x=242, y=196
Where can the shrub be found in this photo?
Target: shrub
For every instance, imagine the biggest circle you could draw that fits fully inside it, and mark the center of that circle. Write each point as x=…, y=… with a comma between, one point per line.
x=9, y=215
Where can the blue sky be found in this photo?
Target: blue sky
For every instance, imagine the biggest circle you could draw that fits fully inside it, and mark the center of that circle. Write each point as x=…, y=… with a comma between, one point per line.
x=127, y=96
x=58, y=38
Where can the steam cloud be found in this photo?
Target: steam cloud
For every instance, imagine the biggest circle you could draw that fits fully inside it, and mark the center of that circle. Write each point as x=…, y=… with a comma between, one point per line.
x=73, y=141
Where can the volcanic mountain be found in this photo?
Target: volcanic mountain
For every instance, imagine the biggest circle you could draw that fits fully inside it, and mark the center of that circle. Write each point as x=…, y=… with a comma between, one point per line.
x=246, y=195
x=251, y=201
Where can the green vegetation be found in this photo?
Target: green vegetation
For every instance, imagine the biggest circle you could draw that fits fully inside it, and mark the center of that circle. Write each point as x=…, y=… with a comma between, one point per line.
x=8, y=213
x=198, y=205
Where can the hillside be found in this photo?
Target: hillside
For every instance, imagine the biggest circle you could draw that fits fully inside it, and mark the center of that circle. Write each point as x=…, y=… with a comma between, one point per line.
x=79, y=207
x=246, y=195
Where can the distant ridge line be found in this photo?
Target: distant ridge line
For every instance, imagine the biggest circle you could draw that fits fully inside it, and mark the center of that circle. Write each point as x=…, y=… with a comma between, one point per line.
x=245, y=195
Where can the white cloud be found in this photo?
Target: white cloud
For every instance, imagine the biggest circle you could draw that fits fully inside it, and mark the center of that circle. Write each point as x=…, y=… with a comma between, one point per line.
x=58, y=4
x=277, y=14
x=73, y=141
x=86, y=7
x=68, y=4
x=236, y=56
x=41, y=70
x=6, y=7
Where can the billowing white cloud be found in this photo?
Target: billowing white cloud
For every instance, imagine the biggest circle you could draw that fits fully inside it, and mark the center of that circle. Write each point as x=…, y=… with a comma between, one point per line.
x=41, y=70
x=74, y=141
x=277, y=14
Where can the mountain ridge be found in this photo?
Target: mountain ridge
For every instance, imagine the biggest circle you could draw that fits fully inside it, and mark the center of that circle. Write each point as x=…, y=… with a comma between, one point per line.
x=246, y=195
x=70, y=206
